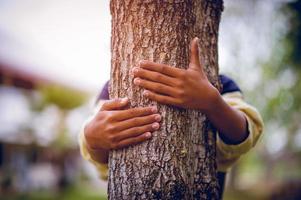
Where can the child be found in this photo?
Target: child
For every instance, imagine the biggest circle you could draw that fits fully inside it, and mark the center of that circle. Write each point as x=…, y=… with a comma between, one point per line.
x=114, y=126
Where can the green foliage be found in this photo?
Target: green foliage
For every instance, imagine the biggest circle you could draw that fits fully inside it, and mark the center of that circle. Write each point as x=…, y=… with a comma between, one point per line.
x=63, y=97
x=294, y=35
x=76, y=192
x=281, y=80
x=277, y=96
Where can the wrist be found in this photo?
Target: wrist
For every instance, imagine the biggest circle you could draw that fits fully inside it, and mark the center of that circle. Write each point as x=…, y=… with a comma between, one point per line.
x=214, y=101
x=97, y=154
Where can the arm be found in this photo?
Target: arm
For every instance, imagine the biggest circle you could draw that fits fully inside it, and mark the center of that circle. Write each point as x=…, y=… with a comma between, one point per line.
x=230, y=122
x=174, y=86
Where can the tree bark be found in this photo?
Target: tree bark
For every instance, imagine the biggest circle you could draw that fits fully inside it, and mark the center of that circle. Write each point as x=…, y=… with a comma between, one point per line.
x=179, y=161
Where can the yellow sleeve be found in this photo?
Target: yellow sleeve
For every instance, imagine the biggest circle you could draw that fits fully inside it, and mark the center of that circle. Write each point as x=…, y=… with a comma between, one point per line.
x=228, y=154
x=101, y=168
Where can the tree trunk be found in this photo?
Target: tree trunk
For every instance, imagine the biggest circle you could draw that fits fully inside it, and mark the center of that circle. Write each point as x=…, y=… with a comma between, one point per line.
x=179, y=161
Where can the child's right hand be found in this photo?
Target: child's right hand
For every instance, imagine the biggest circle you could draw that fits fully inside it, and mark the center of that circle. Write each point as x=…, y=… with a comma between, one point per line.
x=115, y=127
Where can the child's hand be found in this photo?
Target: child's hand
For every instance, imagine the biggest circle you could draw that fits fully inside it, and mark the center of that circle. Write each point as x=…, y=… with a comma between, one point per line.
x=183, y=88
x=115, y=127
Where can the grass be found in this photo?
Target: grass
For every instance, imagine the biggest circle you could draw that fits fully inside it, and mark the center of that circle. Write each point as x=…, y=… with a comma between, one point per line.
x=70, y=193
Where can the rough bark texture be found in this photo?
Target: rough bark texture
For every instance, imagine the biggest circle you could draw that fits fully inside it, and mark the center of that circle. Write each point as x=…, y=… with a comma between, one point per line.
x=179, y=161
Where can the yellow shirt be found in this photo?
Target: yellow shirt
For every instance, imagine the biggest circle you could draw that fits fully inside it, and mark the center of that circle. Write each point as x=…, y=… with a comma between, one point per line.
x=227, y=154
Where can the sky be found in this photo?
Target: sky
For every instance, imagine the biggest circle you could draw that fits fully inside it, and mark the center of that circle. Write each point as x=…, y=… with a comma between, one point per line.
x=65, y=41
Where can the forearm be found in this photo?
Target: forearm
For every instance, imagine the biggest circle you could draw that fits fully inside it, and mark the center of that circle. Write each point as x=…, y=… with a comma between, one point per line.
x=230, y=122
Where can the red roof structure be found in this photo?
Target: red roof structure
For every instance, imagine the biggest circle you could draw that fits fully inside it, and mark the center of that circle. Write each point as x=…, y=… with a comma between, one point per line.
x=12, y=76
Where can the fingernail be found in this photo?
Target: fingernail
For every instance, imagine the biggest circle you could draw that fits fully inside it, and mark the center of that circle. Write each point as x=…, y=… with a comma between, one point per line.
x=141, y=62
x=158, y=118
x=136, y=81
x=155, y=126
x=124, y=100
x=148, y=134
x=154, y=109
x=135, y=70
x=145, y=93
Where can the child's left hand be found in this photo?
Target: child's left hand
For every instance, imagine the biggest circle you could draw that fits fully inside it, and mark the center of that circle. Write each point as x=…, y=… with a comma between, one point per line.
x=179, y=87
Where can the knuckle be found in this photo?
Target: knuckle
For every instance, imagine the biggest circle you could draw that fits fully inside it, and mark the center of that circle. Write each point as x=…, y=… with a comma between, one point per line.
x=111, y=139
x=179, y=83
x=150, y=85
x=140, y=129
x=151, y=118
x=140, y=71
x=110, y=116
x=158, y=76
x=135, y=130
x=143, y=83
x=110, y=128
x=145, y=110
x=160, y=87
x=132, y=111
x=180, y=93
x=141, y=138
x=135, y=121
x=140, y=110
x=108, y=103
x=148, y=128
x=148, y=109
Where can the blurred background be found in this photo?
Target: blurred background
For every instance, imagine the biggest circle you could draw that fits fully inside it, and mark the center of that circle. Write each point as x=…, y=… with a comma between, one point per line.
x=55, y=58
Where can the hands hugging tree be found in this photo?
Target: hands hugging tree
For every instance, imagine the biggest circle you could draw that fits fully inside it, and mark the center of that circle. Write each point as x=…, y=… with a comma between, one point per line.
x=157, y=169
x=116, y=126
x=186, y=88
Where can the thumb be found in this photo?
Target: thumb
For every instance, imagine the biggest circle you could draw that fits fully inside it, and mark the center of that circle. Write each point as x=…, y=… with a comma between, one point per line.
x=115, y=104
x=194, y=55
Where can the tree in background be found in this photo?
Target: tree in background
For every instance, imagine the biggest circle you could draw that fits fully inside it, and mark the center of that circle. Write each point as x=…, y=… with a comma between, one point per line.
x=282, y=107
x=179, y=162
x=65, y=99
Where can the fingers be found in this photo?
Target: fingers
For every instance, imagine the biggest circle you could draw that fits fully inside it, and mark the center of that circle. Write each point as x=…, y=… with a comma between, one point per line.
x=136, y=131
x=194, y=55
x=132, y=141
x=161, y=68
x=138, y=121
x=161, y=98
x=156, y=87
x=153, y=76
x=115, y=104
x=135, y=112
